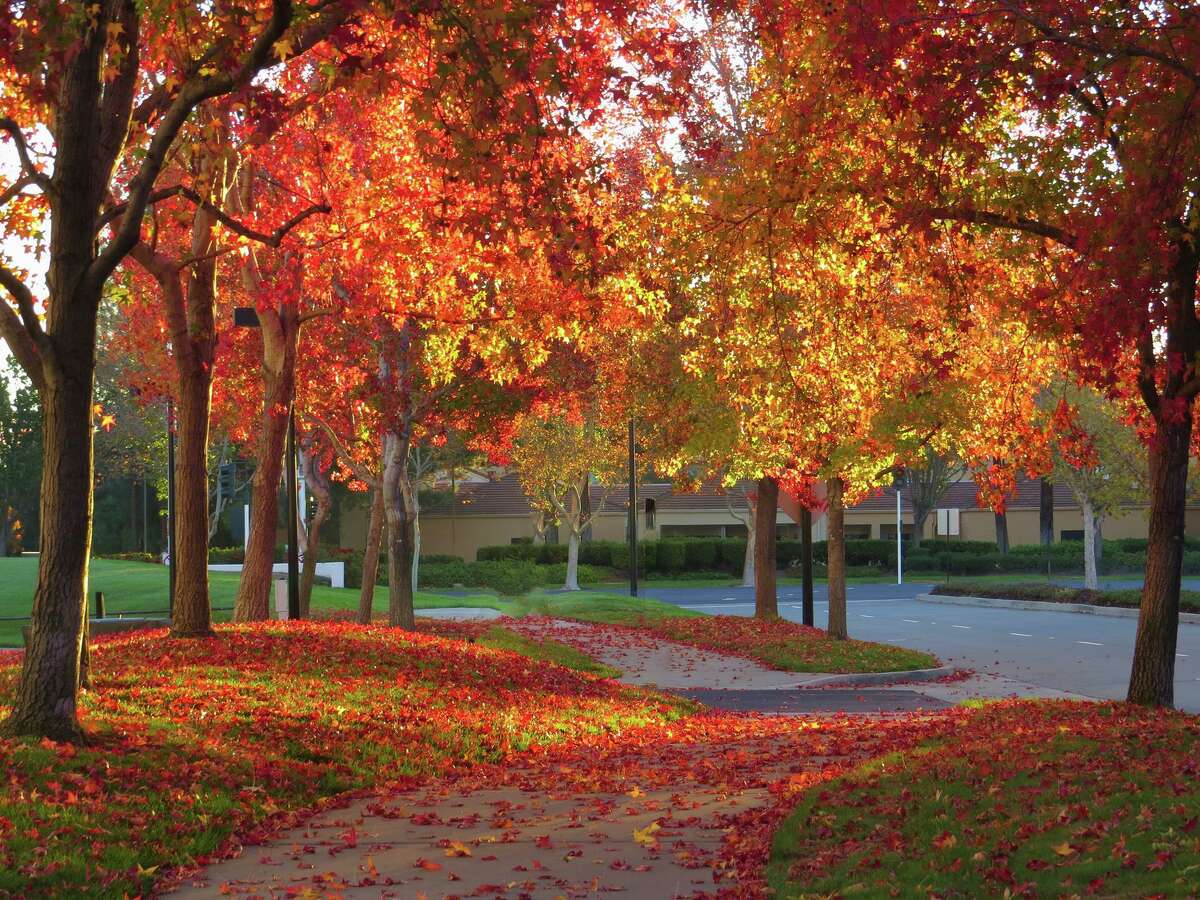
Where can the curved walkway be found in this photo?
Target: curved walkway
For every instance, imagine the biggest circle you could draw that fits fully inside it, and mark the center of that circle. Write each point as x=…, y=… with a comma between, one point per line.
x=657, y=813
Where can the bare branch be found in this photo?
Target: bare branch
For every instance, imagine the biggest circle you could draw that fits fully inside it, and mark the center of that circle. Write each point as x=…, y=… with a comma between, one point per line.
x=1000, y=220
x=22, y=345
x=194, y=92
x=14, y=189
x=24, y=298
x=361, y=472
x=274, y=239
x=31, y=171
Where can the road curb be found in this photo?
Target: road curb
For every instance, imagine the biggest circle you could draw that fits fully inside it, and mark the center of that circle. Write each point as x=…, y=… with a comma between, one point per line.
x=867, y=679
x=1116, y=612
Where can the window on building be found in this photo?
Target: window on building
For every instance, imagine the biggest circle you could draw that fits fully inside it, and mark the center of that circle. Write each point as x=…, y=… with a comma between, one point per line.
x=650, y=510
x=888, y=532
x=860, y=532
x=1071, y=535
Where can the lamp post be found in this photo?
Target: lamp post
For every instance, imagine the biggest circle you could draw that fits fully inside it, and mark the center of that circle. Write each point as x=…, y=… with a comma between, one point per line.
x=899, y=483
x=633, y=545
x=247, y=317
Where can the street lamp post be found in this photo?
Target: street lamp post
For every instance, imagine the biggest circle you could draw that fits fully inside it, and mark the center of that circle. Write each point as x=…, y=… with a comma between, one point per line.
x=899, y=483
x=633, y=545
x=247, y=317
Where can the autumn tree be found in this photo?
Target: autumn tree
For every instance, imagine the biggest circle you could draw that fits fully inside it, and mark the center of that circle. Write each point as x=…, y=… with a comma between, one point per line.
x=86, y=86
x=1066, y=130
x=558, y=453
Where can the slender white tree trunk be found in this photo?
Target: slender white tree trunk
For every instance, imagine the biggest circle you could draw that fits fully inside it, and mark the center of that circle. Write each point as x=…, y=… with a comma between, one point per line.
x=748, y=565
x=572, y=580
x=416, y=564
x=1090, y=579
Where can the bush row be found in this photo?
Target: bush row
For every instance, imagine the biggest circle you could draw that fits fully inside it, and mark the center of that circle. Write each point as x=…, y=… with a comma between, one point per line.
x=511, y=577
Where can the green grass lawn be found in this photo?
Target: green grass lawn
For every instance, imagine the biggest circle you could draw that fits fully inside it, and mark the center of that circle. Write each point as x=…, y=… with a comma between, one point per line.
x=1022, y=799
x=597, y=606
x=134, y=586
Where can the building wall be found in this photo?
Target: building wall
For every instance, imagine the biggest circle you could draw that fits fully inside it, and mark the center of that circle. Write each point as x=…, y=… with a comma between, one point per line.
x=464, y=535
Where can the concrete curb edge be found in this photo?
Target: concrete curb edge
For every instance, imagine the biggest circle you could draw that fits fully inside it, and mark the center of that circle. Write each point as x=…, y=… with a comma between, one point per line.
x=1117, y=612
x=866, y=679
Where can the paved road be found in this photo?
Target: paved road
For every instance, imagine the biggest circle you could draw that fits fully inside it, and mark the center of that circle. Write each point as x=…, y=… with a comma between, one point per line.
x=1064, y=651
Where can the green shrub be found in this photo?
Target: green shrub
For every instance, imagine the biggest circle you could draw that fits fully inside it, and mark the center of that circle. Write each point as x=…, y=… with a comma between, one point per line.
x=132, y=556
x=699, y=555
x=434, y=558
x=672, y=556
x=440, y=574
x=509, y=577
x=648, y=556
x=549, y=554
x=597, y=553
x=790, y=552
x=526, y=551
x=227, y=555
x=944, y=545
x=620, y=557
x=731, y=554
x=555, y=575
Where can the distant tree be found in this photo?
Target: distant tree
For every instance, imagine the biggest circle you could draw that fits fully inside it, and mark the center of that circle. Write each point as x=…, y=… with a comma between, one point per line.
x=20, y=460
x=1110, y=472
x=927, y=485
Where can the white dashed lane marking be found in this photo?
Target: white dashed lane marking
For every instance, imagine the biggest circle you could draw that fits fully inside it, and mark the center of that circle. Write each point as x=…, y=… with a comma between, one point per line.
x=1020, y=634
x=914, y=621
x=1090, y=643
x=960, y=626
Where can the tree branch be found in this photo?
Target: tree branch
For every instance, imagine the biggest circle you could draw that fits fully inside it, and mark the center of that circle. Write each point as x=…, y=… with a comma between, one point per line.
x=31, y=172
x=274, y=239
x=24, y=298
x=361, y=472
x=22, y=346
x=191, y=95
x=1000, y=220
x=1132, y=51
x=15, y=189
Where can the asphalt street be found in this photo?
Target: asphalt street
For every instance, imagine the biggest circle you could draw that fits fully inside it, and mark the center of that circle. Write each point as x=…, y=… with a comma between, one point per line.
x=1083, y=654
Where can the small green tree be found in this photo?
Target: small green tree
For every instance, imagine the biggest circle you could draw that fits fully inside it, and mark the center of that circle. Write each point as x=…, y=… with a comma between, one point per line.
x=1115, y=475
x=20, y=459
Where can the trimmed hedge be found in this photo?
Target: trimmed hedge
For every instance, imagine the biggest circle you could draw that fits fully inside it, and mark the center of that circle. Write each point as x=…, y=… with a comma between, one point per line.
x=511, y=577
x=133, y=556
x=1131, y=599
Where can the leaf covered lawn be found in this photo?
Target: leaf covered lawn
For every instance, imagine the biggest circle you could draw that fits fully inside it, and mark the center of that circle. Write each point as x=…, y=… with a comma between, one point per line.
x=1018, y=799
x=195, y=741
x=777, y=643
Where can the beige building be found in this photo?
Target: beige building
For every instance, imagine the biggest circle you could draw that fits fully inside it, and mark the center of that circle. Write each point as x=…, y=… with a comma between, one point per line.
x=484, y=513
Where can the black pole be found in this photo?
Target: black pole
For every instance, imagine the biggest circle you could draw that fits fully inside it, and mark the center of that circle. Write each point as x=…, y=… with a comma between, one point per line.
x=633, y=545
x=293, y=559
x=170, y=510
x=806, y=566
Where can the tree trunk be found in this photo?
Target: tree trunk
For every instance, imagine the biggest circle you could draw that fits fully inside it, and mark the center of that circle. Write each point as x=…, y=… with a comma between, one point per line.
x=806, y=567
x=370, y=570
x=766, y=510
x=751, y=547
x=920, y=517
x=44, y=704
x=397, y=499
x=279, y=333
x=317, y=483
x=571, y=583
x=308, y=572
x=193, y=616
x=1046, y=511
x=1098, y=537
x=1090, y=581
x=416, y=529
x=1002, y=532
x=836, y=562
x=1152, y=677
